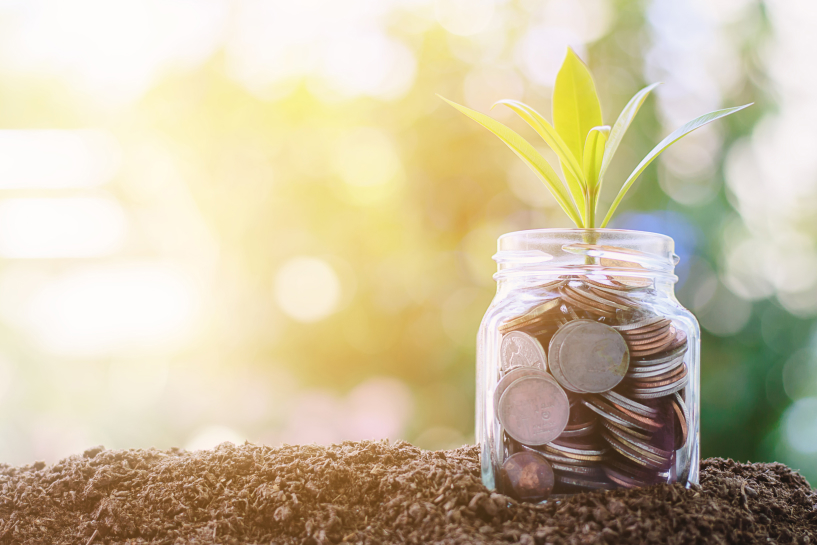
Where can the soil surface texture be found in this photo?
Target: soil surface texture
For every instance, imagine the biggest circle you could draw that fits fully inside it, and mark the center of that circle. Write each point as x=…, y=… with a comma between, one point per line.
x=375, y=493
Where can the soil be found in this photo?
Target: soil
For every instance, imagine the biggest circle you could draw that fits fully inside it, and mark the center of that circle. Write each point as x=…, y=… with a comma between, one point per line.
x=375, y=493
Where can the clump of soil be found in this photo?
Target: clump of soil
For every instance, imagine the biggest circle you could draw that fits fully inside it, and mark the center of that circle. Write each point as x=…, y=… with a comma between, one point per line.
x=375, y=493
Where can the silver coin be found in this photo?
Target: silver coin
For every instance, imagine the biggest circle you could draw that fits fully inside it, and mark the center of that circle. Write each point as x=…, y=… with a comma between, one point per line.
x=533, y=410
x=662, y=358
x=641, y=323
x=634, y=406
x=654, y=370
x=510, y=377
x=593, y=357
x=639, y=443
x=553, y=353
x=585, y=483
x=519, y=349
x=651, y=393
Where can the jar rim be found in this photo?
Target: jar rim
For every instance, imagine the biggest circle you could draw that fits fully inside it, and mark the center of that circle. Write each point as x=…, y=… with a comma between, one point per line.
x=566, y=230
x=588, y=251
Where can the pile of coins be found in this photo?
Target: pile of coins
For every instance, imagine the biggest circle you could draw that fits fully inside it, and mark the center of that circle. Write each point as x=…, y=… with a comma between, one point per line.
x=591, y=389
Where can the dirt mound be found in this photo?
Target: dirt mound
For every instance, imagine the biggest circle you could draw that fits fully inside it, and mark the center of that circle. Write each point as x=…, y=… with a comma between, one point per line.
x=374, y=492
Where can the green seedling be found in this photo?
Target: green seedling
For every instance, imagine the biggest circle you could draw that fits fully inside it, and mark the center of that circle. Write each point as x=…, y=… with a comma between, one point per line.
x=584, y=145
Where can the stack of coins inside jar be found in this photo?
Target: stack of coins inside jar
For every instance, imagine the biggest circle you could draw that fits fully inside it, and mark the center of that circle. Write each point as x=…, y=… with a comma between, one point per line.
x=591, y=390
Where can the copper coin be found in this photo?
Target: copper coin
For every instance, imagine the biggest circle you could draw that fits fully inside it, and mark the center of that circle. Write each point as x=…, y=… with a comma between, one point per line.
x=519, y=349
x=640, y=351
x=527, y=476
x=641, y=337
x=533, y=410
x=680, y=340
x=650, y=393
x=593, y=356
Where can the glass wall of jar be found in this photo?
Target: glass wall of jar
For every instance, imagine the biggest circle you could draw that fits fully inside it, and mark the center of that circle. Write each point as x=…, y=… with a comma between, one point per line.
x=587, y=366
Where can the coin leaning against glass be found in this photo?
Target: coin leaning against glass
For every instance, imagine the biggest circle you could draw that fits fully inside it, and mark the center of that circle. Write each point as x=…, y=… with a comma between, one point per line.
x=518, y=349
x=527, y=476
x=593, y=356
x=534, y=409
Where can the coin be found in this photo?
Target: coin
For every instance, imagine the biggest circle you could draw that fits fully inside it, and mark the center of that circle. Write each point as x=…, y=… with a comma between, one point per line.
x=593, y=357
x=639, y=444
x=621, y=415
x=606, y=301
x=529, y=317
x=579, y=304
x=661, y=358
x=634, y=455
x=649, y=393
x=642, y=323
x=527, y=476
x=665, y=379
x=682, y=429
x=553, y=355
x=519, y=349
x=680, y=340
x=584, y=482
x=511, y=376
x=594, y=301
x=636, y=371
x=594, y=471
x=636, y=407
x=533, y=409
x=580, y=431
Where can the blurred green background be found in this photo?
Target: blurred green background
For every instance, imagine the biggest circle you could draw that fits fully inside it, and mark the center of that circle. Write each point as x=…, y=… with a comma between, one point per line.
x=240, y=219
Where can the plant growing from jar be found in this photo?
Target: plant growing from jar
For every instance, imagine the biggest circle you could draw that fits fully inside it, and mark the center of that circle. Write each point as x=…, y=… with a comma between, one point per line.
x=587, y=367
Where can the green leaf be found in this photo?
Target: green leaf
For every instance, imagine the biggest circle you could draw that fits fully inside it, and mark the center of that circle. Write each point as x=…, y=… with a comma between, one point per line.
x=594, y=148
x=664, y=144
x=552, y=139
x=529, y=155
x=576, y=107
x=621, y=125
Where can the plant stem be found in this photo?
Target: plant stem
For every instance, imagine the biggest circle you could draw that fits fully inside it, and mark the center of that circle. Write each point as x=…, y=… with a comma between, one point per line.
x=589, y=211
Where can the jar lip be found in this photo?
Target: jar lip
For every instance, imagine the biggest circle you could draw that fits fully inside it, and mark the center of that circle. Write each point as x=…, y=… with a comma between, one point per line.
x=571, y=230
x=538, y=252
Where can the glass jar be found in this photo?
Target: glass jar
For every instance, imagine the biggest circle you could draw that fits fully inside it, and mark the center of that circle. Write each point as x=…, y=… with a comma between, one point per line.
x=587, y=366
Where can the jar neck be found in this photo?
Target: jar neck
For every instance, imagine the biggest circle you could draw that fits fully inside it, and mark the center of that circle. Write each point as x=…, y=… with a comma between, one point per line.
x=531, y=257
